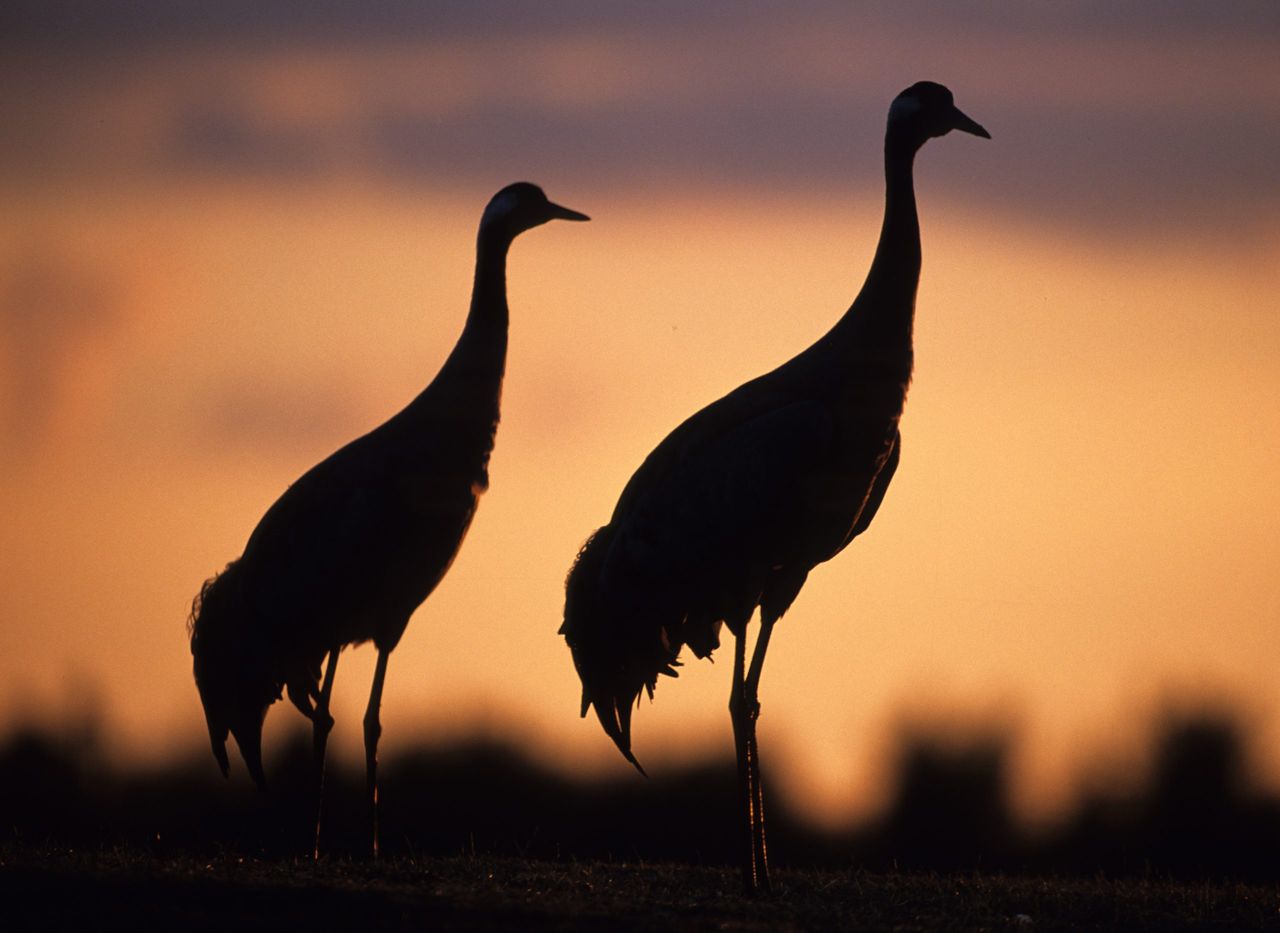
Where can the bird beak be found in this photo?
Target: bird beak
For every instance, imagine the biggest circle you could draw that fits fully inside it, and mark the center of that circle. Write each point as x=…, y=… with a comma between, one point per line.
x=960, y=121
x=556, y=212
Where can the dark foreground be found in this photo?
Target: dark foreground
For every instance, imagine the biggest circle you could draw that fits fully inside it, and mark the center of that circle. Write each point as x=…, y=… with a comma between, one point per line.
x=117, y=890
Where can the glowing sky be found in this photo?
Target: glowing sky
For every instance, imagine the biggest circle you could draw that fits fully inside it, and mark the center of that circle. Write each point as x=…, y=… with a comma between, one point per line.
x=237, y=235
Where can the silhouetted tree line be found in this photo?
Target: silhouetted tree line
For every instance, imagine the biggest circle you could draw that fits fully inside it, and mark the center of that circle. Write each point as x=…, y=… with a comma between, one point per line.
x=1197, y=815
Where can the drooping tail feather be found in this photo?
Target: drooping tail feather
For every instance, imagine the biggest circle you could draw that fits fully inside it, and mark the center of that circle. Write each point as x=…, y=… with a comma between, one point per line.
x=207, y=628
x=616, y=721
x=234, y=690
x=616, y=655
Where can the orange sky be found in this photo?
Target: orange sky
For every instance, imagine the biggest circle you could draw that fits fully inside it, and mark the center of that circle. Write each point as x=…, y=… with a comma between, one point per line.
x=1084, y=521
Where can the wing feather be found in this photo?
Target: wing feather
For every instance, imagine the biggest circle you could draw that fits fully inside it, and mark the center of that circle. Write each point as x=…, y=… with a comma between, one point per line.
x=725, y=505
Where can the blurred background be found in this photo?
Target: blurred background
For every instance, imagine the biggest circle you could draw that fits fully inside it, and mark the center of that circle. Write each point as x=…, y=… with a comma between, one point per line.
x=237, y=235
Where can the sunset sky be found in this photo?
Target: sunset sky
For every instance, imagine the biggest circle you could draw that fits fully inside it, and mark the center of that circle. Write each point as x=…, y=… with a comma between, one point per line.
x=236, y=235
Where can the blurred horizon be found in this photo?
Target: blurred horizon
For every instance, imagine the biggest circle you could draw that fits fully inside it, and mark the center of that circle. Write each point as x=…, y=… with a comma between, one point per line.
x=241, y=234
x=1193, y=810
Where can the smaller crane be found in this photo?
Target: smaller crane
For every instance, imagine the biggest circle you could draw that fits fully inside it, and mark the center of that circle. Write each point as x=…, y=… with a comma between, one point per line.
x=352, y=548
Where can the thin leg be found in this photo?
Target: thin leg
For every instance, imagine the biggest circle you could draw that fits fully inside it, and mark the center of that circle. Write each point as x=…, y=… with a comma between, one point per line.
x=372, y=731
x=759, y=848
x=738, y=714
x=757, y=657
x=321, y=724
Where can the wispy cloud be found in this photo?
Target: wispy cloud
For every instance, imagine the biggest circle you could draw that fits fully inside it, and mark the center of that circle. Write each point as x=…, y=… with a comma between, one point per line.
x=149, y=21
x=1103, y=114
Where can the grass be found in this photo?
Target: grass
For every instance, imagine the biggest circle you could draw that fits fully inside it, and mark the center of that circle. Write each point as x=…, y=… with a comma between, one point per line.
x=124, y=889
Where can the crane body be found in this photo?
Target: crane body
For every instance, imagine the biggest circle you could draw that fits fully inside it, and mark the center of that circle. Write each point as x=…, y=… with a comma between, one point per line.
x=741, y=501
x=354, y=546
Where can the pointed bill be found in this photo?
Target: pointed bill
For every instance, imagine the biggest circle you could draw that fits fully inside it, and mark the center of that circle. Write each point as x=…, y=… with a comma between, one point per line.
x=563, y=213
x=966, y=124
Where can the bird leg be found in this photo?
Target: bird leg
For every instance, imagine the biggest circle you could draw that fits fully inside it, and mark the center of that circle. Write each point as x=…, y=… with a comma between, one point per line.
x=372, y=731
x=321, y=724
x=750, y=690
x=742, y=717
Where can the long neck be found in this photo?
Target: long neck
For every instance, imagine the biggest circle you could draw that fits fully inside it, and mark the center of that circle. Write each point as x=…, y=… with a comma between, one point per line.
x=470, y=382
x=872, y=340
x=482, y=348
x=884, y=310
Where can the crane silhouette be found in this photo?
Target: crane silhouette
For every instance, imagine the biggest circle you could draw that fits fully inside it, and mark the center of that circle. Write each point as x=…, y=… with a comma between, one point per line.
x=352, y=548
x=735, y=507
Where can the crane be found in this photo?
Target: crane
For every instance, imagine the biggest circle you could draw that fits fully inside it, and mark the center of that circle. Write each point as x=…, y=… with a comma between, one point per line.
x=353, y=547
x=737, y=504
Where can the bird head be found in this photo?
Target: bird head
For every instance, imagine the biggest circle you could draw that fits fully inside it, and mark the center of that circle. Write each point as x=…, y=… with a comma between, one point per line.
x=926, y=110
x=520, y=207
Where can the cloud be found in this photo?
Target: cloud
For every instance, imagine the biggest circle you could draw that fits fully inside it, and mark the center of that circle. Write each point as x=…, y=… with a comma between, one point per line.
x=1118, y=167
x=165, y=21
x=1103, y=114
x=230, y=138
x=106, y=25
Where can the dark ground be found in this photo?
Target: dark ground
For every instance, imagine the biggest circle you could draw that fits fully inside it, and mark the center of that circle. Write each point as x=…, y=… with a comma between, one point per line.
x=127, y=890
x=476, y=836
